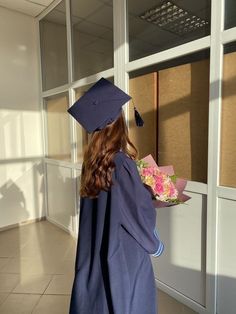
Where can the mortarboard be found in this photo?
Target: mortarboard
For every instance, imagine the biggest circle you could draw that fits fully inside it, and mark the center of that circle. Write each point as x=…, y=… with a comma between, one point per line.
x=99, y=106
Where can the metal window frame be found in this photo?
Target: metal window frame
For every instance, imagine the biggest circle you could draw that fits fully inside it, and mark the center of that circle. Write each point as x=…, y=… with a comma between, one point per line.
x=122, y=66
x=214, y=135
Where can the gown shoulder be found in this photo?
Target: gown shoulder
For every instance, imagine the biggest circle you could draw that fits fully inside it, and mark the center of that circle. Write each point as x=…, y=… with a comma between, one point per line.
x=120, y=158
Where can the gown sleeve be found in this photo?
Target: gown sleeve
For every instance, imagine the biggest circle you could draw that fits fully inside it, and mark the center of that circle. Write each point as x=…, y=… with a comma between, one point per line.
x=138, y=214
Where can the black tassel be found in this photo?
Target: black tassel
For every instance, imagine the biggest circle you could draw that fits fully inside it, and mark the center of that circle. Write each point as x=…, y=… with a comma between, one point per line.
x=138, y=119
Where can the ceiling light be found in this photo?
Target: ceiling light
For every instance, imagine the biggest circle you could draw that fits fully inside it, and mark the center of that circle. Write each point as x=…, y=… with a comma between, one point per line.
x=171, y=17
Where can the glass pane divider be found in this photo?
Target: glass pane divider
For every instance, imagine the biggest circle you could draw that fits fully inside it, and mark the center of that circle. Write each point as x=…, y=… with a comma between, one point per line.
x=215, y=87
x=126, y=106
x=69, y=41
x=82, y=82
x=45, y=174
x=63, y=163
x=169, y=54
x=92, y=78
x=45, y=129
x=228, y=35
x=75, y=217
x=120, y=47
x=196, y=187
x=56, y=91
x=73, y=142
x=226, y=192
x=73, y=136
x=119, y=40
x=45, y=152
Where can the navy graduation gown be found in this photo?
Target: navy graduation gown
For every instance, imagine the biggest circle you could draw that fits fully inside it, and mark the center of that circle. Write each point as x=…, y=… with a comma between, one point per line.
x=117, y=232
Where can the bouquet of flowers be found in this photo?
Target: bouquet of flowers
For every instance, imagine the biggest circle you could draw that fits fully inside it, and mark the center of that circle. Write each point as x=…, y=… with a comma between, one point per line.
x=166, y=188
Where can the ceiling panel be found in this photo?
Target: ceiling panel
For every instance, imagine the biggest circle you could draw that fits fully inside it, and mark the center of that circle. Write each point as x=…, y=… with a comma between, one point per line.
x=83, y=9
x=57, y=15
x=103, y=16
x=29, y=7
x=41, y=2
x=90, y=28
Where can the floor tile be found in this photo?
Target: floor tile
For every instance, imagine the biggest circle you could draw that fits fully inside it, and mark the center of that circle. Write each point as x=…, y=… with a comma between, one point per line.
x=13, y=266
x=39, y=258
x=40, y=265
x=19, y=304
x=33, y=283
x=47, y=265
x=52, y=304
x=23, y=265
x=14, y=237
x=66, y=266
x=169, y=305
x=8, y=282
x=60, y=284
x=7, y=250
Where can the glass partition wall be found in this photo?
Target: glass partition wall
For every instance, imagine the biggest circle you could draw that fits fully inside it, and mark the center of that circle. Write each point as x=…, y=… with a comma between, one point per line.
x=176, y=59
x=53, y=43
x=76, y=49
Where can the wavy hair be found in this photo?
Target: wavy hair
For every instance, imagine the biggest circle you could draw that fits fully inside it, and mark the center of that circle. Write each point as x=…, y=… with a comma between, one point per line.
x=98, y=157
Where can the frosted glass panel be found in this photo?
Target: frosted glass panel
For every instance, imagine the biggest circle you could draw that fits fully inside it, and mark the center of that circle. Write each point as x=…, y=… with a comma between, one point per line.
x=61, y=196
x=54, y=48
x=58, y=130
x=182, y=266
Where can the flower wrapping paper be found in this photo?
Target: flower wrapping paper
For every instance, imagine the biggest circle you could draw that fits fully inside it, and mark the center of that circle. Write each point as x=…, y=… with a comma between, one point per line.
x=180, y=183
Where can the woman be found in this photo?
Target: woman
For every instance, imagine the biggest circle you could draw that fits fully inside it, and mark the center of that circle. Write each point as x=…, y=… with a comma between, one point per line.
x=113, y=270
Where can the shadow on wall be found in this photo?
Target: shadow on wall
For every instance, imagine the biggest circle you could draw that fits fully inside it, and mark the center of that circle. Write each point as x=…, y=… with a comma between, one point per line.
x=22, y=195
x=12, y=197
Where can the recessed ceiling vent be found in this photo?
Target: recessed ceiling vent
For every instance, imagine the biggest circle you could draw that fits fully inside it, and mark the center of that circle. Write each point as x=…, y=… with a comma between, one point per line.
x=171, y=17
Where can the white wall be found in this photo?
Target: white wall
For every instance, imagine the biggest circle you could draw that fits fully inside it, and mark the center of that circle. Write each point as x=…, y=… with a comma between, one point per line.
x=21, y=149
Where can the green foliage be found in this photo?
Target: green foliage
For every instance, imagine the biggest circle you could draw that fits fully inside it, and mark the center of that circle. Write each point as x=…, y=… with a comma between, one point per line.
x=141, y=164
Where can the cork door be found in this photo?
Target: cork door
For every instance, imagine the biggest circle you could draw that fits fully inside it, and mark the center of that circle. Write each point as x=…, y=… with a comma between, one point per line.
x=143, y=90
x=228, y=130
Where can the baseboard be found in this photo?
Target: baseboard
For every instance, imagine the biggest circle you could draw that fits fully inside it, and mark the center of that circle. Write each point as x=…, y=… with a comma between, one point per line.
x=23, y=223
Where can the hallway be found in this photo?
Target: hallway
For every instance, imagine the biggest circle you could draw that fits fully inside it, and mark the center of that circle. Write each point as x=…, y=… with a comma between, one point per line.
x=36, y=271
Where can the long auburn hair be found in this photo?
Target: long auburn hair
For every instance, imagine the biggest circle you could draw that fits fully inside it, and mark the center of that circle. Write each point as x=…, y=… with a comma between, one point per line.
x=98, y=157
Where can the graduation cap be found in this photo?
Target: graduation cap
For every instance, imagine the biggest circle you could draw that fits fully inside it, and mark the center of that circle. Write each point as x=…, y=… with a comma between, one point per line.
x=100, y=106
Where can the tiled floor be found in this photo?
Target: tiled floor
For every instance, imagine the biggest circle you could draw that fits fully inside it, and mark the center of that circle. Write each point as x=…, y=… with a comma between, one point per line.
x=36, y=272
